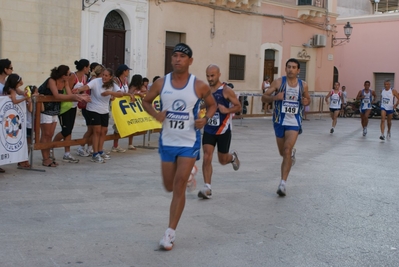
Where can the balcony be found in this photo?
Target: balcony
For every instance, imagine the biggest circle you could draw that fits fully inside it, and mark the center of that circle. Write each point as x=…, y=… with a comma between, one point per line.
x=309, y=9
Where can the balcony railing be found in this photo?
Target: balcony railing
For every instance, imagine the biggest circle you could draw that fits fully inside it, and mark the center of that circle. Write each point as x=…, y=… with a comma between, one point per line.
x=316, y=3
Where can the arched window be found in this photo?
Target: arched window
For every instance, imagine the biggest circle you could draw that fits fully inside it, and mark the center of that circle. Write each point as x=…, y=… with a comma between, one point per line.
x=114, y=21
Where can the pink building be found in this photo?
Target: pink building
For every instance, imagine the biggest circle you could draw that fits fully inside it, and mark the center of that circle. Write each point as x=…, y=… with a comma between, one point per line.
x=371, y=53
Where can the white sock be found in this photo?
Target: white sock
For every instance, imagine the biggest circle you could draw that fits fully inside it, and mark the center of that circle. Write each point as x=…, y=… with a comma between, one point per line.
x=208, y=185
x=170, y=231
x=89, y=148
x=282, y=182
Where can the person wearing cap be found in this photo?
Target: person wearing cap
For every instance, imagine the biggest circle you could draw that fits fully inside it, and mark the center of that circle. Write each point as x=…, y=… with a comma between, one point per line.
x=180, y=138
x=121, y=74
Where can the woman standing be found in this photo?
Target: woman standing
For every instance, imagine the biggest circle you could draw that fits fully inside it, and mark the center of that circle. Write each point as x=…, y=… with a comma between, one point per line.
x=121, y=75
x=68, y=114
x=136, y=87
x=56, y=85
x=5, y=70
x=14, y=81
x=82, y=150
x=102, y=89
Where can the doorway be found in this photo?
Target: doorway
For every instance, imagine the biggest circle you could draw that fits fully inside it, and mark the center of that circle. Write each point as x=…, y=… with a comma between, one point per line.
x=113, y=41
x=268, y=66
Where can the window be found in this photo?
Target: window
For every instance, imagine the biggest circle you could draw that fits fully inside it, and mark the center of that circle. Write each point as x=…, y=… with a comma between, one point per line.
x=386, y=6
x=236, y=67
x=302, y=70
x=304, y=2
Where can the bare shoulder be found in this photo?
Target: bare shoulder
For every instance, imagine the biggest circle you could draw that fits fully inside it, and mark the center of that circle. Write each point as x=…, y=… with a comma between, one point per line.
x=201, y=88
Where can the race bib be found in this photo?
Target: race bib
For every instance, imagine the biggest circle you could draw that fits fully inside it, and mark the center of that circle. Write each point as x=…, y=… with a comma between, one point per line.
x=178, y=121
x=215, y=120
x=334, y=102
x=366, y=100
x=290, y=107
x=385, y=101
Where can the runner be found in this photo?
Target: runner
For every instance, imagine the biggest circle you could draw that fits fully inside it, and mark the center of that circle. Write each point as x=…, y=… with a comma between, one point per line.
x=366, y=96
x=218, y=129
x=336, y=99
x=179, y=142
x=290, y=95
x=387, y=107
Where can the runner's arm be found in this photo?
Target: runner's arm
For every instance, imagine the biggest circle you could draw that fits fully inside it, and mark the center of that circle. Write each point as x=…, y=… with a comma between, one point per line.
x=149, y=98
x=305, y=95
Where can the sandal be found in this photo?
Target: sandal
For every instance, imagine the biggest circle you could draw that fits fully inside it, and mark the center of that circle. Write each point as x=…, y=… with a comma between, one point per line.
x=24, y=165
x=2, y=170
x=51, y=164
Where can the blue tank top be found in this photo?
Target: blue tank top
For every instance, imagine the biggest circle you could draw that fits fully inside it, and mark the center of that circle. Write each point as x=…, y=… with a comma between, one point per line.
x=220, y=123
x=288, y=111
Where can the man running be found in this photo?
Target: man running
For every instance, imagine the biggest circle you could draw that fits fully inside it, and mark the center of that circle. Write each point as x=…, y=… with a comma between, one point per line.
x=290, y=95
x=387, y=107
x=336, y=99
x=180, y=139
x=366, y=96
x=218, y=129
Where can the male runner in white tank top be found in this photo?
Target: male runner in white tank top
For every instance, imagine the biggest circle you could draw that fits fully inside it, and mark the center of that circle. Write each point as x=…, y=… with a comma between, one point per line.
x=387, y=107
x=180, y=139
x=366, y=97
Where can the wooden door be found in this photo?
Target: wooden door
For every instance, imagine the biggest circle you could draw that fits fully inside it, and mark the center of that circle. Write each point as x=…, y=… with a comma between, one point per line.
x=268, y=69
x=113, y=48
x=168, y=59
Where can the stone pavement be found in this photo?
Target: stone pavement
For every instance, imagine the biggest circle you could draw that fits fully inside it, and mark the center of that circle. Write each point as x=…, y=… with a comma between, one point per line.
x=341, y=207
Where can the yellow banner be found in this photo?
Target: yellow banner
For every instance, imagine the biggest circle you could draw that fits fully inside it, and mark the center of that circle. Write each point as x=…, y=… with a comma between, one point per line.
x=131, y=118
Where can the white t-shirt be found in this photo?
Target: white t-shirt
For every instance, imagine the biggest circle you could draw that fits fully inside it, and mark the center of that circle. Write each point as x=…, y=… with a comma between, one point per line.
x=99, y=103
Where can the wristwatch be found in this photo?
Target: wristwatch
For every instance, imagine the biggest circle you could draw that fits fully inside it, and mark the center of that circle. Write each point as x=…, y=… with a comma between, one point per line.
x=207, y=119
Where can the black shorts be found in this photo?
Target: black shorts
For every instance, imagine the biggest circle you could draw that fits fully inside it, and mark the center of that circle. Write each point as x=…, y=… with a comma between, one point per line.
x=67, y=121
x=97, y=119
x=334, y=109
x=222, y=140
x=28, y=132
x=85, y=115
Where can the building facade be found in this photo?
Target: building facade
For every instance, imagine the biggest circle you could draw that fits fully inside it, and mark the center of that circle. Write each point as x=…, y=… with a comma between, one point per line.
x=248, y=39
x=371, y=52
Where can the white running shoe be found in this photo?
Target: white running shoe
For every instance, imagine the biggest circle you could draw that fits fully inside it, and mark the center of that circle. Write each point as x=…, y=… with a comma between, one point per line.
x=293, y=159
x=205, y=193
x=236, y=161
x=388, y=135
x=191, y=184
x=364, y=131
x=118, y=149
x=82, y=152
x=167, y=240
x=97, y=159
x=69, y=159
x=281, y=190
x=105, y=156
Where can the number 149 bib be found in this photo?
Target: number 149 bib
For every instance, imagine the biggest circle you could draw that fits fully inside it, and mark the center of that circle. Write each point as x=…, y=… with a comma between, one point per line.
x=290, y=107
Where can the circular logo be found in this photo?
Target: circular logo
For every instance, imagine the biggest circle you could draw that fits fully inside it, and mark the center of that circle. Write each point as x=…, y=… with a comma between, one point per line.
x=11, y=121
x=179, y=105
